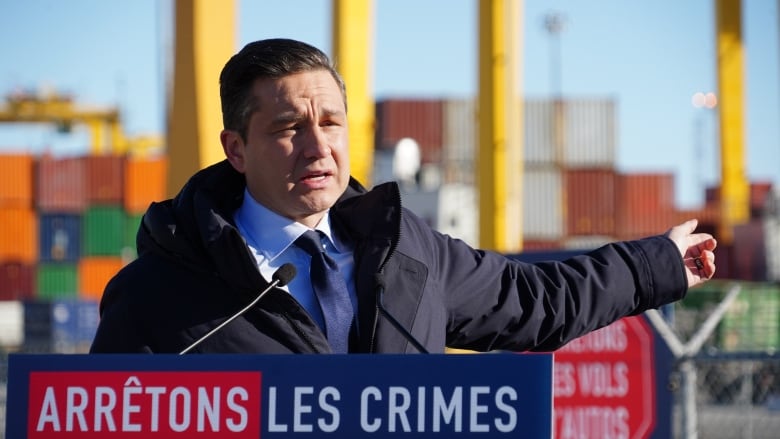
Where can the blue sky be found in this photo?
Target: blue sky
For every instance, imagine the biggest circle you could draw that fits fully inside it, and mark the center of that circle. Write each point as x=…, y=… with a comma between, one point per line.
x=649, y=55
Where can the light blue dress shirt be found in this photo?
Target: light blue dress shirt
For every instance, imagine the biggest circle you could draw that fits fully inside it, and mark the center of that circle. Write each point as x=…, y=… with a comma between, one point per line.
x=270, y=237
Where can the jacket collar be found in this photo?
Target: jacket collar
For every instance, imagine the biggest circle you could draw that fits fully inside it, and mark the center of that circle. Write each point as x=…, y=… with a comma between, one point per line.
x=196, y=227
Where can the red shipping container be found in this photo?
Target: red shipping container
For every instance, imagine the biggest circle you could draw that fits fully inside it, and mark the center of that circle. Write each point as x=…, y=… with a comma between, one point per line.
x=759, y=196
x=540, y=244
x=418, y=119
x=16, y=181
x=105, y=178
x=17, y=281
x=759, y=192
x=644, y=204
x=749, y=252
x=724, y=266
x=708, y=216
x=590, y=201
x=61, y=185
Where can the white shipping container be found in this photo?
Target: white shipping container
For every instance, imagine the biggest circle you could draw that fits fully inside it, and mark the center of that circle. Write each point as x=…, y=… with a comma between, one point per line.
x=539, y=146
x=586, y=242
x=460, y=130
x=572, y=133
x=458, y=213
x=591, y=132
x=449, y=209
x=543, y=203
x=459, y=140
x=772, y=236
x=11, y=323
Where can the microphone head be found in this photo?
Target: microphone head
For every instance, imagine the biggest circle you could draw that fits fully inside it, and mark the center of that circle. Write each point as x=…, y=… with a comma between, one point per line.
x=284, y=274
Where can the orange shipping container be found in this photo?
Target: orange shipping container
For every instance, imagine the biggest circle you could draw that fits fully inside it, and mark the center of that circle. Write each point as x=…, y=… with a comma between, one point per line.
x=145, y=181
x=94, y=274
x=61, y=185
x=105, y=179
x=18, y=235
x=16, y=180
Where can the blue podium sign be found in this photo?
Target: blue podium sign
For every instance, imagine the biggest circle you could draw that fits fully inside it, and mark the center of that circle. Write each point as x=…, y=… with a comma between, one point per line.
x=275, y=396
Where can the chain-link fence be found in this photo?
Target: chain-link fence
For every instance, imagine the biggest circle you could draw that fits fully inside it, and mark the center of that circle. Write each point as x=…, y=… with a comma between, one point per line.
x=737, y=367
x=737, y=396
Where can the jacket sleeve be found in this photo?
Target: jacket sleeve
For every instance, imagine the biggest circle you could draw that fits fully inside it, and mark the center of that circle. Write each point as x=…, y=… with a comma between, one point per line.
x=498, y=303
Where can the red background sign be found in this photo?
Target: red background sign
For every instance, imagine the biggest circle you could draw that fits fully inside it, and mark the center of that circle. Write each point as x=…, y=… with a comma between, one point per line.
x=604, y=383
x=144, y=404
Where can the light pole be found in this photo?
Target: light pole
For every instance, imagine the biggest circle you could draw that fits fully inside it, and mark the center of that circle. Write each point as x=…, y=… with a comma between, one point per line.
x=553, y=23
x=701, y=101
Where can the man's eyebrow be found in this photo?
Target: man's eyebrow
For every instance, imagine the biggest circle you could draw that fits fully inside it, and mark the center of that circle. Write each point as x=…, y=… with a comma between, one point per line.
x=288, y=117
x=333, y=112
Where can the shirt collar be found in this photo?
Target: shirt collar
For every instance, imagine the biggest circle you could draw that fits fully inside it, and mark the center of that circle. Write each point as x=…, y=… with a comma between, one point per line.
x=271, y=233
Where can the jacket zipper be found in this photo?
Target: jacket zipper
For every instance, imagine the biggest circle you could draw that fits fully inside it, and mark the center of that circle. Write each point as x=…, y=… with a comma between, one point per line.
x=390, y=253
x=301, y=333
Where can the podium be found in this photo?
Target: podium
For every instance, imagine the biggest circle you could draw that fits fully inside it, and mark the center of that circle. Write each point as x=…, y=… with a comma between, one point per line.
x=277, y=396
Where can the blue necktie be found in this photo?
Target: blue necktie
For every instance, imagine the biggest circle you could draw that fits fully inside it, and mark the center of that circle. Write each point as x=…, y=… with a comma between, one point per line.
x=331, y=291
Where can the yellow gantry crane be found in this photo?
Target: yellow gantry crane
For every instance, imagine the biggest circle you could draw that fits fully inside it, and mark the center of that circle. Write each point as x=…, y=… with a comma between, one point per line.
x=53, y=108
x=203, y=45
x=104, y=124
x=734, y=185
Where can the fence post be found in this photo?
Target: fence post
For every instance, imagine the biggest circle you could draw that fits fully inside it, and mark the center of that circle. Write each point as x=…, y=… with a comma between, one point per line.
x=684, y=353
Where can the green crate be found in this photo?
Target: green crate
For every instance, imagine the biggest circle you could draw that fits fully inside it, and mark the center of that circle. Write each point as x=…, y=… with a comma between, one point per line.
x=104, y=231
x=57, y=281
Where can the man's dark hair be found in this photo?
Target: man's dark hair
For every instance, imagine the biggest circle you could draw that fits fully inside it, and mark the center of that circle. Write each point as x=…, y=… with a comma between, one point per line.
x=271, y=58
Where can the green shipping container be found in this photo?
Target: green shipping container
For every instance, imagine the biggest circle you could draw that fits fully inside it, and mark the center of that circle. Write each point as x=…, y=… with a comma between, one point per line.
x=104, y=231
x=131, y=230
x=752, y=322
x=57, y=281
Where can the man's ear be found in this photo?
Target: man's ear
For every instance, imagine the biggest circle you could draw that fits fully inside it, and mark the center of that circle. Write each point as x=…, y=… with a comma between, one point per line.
x=233, y=145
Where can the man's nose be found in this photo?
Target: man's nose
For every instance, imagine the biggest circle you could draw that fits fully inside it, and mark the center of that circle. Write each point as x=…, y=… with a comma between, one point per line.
x=316, y=143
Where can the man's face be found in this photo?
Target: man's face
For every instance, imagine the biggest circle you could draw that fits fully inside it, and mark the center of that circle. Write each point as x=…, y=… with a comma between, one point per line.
x=295, y=158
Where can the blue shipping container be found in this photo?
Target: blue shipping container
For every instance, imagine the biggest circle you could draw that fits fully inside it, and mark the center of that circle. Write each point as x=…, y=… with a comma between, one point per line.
x=60, y=326
x=60, y=237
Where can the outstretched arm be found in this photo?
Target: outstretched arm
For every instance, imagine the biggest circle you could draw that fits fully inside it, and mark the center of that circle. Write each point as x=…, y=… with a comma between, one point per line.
x=696, y=250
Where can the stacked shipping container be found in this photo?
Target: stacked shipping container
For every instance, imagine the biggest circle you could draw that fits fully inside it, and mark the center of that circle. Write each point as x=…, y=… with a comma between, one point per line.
x=573, y=195
x=570, y=182
x=66, y=226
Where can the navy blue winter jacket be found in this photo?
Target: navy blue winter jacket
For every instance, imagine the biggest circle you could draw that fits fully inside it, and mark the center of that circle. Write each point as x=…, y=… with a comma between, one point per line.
x=194, y=270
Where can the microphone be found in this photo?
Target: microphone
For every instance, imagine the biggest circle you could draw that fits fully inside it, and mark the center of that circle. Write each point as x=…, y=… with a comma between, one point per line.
x=380, y=294
x=281, y=277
